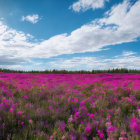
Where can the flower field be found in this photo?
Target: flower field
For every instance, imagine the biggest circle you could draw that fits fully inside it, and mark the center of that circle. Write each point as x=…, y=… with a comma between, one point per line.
x=37, y=106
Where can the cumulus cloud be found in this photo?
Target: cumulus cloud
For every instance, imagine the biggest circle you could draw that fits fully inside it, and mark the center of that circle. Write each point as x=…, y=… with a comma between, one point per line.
x=83, y=5
x=9, y=60
x=90, y=63
x=31, y=18
x=13, y=45
x=119, y=25
x=114, y=28
x=81, y=63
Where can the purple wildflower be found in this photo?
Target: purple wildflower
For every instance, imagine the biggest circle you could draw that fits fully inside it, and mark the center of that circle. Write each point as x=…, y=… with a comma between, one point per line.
x=88, y=130
x=135, y=126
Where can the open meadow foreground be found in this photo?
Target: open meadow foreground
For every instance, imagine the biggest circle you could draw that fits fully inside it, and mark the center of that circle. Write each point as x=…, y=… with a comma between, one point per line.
x=69, y=106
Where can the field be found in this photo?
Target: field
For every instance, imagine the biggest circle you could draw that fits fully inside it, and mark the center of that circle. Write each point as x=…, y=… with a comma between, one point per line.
x=37, y=106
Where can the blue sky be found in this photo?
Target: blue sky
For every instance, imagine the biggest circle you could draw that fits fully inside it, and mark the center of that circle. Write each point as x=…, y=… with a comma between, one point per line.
x=71, y=34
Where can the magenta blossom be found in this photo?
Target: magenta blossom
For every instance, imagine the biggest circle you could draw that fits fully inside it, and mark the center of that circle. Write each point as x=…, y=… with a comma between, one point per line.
x=77, y=114
x=93, y=104
x=30, y=121
x=51, y=137
x=91, y=116
x=88, y=130
x=11, y=110
x=108, y=117
x=22, y=123
x=62, y=126
x=20, y=112
x=111, y=128
x=26, y=97
x=135, y=125
x=101, y=135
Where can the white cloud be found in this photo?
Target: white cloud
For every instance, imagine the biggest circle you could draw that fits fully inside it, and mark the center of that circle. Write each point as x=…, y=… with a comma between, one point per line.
x=119, y=25
x=90, y=63
x=96, y=35
x=31, y=18
x=81, y=63
x=83, y=5
x=13, y=45
x=128, y=53
x=125, y=54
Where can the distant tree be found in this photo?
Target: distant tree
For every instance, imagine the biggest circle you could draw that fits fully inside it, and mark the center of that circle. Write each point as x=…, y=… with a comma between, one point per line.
x=122, y=70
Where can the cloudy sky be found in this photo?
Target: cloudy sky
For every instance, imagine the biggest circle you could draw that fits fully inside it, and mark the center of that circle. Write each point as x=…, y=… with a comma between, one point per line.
x=69, y=34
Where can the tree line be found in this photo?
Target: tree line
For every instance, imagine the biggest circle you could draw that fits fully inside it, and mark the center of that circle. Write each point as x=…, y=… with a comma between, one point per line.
x=122, y=70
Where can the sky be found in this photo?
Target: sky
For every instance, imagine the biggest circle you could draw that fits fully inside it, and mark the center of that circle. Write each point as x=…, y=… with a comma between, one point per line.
x=69, y=34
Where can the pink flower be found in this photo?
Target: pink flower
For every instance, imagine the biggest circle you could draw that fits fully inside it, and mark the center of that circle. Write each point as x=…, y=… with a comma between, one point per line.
x=30, y=121
x=75, y=99
x=88, y=114
x=100, y=97
x=85, y=138
x=135, y=125
x=109, y=110
x=69, y=100
x=122, y=138
x=50, y=107
x=111, y=128
x=123, y=133
x=108, y=117
x=26, y=97
x=77, y=114
x=93, y=104
x=88, y=130
x=63, y=137
x=20, y=112
x=51, y=137
x=22, y=123
x=1, y=104
x=101, y=135
x=91, y=116
x=11, y=110
x=14, y=105
x=115, y=100
x=82, y=103
x=39, y=95
x=108, y=123
x=102, y=110
x=62, y=126
x=139, y=112
x=70, y=118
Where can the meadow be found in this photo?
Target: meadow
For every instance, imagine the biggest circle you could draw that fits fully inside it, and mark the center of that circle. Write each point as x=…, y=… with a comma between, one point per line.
x=39, y=106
